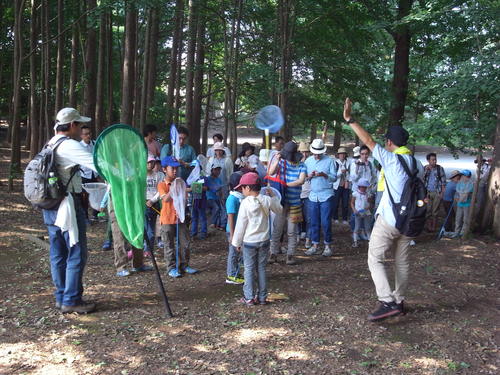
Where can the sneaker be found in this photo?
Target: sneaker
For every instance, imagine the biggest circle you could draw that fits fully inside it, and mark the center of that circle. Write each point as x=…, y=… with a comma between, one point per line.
x=123, y=273
x=345, y=222
x=248, y=302
x=234, y=280
x=308, y=243
x=160, y=244
x=412, y=243
x=82, y=308
x=106, y=246
x=303, y=235
x=58, y=305
x=290, y=260
x=328, y=252
x=273, y=258
x=355, y=244
x=202, y=236
x=264, y=302
x=142, y=268
x=174, y=273
x=385, y=310
x=190, y=270
x=336, y=222
x=313, y=250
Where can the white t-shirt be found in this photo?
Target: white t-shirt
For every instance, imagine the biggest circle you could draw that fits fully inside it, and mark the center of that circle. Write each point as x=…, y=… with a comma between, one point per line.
x=361, y=201
x=395, y=179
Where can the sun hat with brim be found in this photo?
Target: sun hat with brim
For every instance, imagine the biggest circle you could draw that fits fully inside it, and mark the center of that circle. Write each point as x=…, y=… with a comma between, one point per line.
x=303, y=147
x=355, y=151
x=218, y=146
x=69, y=115
x=290, y=152
x=454, y=174
x=363, y=182
x=169, y=161
x=317, y=147
x=342, y=150
x=249, y=178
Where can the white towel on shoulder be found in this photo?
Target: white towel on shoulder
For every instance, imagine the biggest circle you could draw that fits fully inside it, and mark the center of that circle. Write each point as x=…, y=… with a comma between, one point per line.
x=66, y=219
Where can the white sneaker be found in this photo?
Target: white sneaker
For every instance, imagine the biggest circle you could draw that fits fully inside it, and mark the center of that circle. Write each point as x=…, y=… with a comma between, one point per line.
x=308, y=243
x=328, y=252
x=412, y=243
x=345, y=222
x=312, y=251
x=336, y=221
x=355, y=244
x=303, y=236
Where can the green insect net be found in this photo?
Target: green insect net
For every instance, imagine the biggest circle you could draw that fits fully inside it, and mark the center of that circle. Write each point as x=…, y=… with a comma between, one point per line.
x=120, y=156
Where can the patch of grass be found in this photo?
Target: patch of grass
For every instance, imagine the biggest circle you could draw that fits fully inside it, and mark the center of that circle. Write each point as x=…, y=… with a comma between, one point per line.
x=316, y=301
x=369, y=363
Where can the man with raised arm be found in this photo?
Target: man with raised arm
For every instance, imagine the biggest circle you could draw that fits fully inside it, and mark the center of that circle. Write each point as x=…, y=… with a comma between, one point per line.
x=385, y=235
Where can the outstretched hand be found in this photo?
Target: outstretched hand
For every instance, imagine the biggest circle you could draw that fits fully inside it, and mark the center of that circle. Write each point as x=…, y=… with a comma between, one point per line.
x=347, y=109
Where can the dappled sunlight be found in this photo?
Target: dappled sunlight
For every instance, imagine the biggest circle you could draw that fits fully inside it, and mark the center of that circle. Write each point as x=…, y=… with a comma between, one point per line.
x=251, y=335
x=293, y=354
x=430, y=363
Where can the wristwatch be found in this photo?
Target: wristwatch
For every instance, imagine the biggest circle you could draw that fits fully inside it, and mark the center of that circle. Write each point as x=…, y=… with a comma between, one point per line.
x=351, y=120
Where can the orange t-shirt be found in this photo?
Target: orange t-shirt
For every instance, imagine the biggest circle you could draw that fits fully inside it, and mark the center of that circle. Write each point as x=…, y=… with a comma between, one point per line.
x=167, y=214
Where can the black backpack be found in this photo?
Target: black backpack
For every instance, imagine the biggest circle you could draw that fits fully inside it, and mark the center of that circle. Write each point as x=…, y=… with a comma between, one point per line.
x=410, y=211
x=42, y=186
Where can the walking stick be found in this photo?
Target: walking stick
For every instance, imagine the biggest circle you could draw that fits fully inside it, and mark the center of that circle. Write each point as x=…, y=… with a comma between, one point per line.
x=441, y=231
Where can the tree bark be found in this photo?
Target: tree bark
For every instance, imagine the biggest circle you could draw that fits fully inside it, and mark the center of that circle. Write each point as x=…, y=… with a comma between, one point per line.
x=145, y=70
x=74, y=63
x=179, y=8
x=90, y=89
x=402, y=39
x=493, y=192
x=314, y=132
x=34, y=124
x=337, y=137
x=198, y=81
x=109, y=42
x=204, y=137
x=178, y=88
x=191, y=46
x=127, y=106
x=47, y=105
x=101, y=68
x=60, y=57
x=153, y=60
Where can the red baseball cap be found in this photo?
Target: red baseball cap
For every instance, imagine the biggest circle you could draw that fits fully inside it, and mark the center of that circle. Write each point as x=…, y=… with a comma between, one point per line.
x=250, y=178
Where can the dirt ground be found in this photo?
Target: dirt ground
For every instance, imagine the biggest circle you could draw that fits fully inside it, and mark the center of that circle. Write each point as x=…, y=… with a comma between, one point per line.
x=452, y=325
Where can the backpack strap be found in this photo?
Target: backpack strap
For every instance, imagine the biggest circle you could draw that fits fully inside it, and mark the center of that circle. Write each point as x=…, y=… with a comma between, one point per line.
x=405, y=165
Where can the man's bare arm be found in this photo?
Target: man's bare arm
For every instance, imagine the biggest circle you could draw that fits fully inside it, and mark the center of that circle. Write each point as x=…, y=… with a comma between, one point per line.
x=362, y=134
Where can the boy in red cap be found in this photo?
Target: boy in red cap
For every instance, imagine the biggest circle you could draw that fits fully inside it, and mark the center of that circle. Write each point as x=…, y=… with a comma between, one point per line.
x=252, y=231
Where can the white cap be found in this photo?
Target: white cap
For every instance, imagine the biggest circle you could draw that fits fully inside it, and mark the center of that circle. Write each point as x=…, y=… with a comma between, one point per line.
x=69, y=115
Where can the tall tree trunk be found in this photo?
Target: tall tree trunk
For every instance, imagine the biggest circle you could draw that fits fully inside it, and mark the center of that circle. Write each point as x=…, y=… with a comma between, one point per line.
x=74, y=61
x=101, y=68
x=402, y=39
x=234, y=78
x=204, y=137
x=139, y=60
x=15, y=150
x=191, y=46
x=127, y=106
x=109, y=42
x=145, y=69
x=178, y=88
x=179, y=9
x=90, y=90
x=314, y=132
x=153, y=60
x=47, y=106
x=324, y=133
x=34, y=124
x=337, y=136
x=60, y=57
x=198, y=81
x=492, y=211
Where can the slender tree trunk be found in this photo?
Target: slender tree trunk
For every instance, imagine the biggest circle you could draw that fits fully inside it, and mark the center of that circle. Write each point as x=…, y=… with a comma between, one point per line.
x=139, y=60
x=204, y=137
x=191, y=46
x=337, y=137
x=74, y=61
x=47, y=107
x=15, y=150
x=324, y=133
x=198, y=81
x=101, y=68
x=493, y=192
x=127, y=106
x=109, y=41
x=34, y=124
x=234, y=78
x=145, y=69
x=178, y=88
x=90, y=88
x=314, y=131
x=153, y=59
x=59, y=95
x=179, y=8
x=402, y=38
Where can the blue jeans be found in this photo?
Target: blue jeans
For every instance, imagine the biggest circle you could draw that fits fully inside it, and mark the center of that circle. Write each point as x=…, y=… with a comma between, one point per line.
x=149, y=227
x=233, y=259
x=217, y=213
x=198, y=214
x=320, y=216
x=67, y=263
x=255, y=256
x=341, y=195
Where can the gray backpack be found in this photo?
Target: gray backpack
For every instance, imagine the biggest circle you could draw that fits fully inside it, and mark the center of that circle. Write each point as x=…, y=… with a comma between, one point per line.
x=42, y=186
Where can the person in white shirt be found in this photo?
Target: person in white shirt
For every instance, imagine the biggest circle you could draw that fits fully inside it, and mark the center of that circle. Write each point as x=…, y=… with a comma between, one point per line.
x=385, y=236
x=88, y=175
x=342, y=186
x=218, y=138
x=363, y=168
x=68, y=262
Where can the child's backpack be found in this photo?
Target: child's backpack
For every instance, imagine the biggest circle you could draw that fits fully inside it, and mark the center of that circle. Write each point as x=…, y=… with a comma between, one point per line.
x=42, y=186
x=410, y=211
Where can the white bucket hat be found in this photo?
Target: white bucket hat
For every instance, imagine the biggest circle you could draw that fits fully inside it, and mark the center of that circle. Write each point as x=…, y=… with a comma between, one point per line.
x=69, y=115
x=317, y=147
x=218, y=146
x=355, y=151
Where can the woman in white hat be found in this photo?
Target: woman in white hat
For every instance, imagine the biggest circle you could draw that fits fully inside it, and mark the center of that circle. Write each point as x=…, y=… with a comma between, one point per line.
x=220, y=159
x=322, y=172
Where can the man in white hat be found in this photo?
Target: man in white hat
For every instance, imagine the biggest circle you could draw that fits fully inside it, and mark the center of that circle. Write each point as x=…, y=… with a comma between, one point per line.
x=68, y=260
x=322, y=172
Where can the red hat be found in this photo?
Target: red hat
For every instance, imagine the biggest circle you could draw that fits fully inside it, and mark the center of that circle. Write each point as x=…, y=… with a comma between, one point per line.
x=250, y=178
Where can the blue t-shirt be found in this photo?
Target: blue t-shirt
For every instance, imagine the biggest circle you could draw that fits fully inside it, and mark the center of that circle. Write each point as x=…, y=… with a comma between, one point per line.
x=292, y=173
x=464, y=190
x=232, y=207
x=213, y=184
x=449, y=192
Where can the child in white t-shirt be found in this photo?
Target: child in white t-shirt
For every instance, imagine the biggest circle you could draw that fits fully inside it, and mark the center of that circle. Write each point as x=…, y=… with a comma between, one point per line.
x=361, y=205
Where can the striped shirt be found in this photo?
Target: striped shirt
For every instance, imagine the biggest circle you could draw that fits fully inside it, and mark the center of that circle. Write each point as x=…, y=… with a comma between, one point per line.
x=292, y=173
